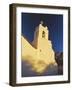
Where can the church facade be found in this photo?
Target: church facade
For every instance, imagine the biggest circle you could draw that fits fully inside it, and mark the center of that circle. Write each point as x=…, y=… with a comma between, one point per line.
x=39, y=54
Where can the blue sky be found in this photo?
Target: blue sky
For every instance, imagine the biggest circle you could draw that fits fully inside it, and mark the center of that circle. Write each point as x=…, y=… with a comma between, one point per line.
x=54, y=23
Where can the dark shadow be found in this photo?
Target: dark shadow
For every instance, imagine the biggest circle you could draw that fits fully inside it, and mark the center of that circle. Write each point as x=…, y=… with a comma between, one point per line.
x=26, y=69
x=28, y=72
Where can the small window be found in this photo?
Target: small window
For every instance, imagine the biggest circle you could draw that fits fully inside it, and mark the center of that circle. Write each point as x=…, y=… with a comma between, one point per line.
x=43, y=34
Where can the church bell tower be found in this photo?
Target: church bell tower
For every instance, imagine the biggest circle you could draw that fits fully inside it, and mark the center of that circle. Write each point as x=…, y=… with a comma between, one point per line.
x=41, y=34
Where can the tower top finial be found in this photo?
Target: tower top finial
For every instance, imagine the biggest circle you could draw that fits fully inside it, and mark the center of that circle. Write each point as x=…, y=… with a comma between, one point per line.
x=41, y=22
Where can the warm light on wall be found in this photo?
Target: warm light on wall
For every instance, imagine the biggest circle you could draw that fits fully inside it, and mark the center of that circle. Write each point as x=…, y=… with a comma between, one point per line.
x=40, y=54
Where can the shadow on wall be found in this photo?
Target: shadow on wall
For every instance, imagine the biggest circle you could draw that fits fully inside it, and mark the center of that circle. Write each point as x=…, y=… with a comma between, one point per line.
x=28, y=72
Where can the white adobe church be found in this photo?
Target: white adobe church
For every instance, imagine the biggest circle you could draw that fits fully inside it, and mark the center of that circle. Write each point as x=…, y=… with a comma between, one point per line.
x=40, y=53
